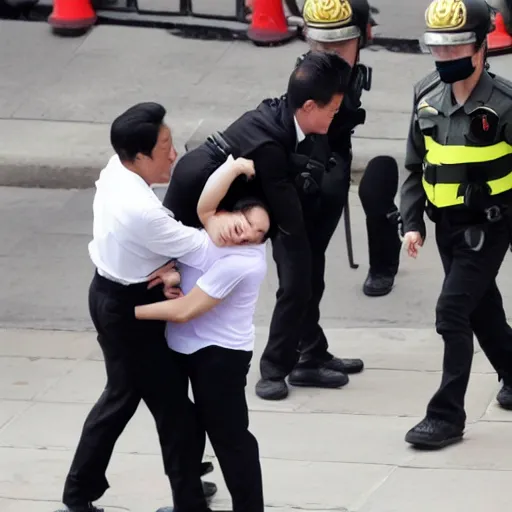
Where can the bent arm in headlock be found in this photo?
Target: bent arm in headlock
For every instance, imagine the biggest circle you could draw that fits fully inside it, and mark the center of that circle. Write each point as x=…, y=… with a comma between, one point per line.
x=221, y=225
x=223, y=228
x=164, y=235
x=215, y=224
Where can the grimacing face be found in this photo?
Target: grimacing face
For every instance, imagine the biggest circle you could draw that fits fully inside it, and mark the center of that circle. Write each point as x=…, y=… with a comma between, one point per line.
x=259, y=224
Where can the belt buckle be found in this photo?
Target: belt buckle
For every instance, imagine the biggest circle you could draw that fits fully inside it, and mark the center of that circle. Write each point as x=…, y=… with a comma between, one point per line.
x=493, y=213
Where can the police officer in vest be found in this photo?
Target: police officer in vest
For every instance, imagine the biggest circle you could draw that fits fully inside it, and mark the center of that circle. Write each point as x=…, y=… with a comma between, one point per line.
x=341, y=26
x=459, y=155
x=302, y=184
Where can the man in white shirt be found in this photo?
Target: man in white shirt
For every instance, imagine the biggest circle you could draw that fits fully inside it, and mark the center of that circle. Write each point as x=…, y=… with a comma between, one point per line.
x=134, y=235
x=211, y=331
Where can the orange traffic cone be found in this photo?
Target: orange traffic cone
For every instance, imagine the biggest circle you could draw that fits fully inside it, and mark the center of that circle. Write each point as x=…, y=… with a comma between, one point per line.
x=72, y=16
x=499, y=39
x=269, y=25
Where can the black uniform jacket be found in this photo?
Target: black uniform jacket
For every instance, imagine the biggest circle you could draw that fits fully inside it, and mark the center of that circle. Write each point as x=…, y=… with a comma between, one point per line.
x=436, y=114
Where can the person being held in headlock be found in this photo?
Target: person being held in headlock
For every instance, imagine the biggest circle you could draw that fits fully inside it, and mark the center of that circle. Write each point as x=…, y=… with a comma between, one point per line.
x=459, y=154
x=301, y=184
x=211, y=332
x=133, y=234
x=341, y=26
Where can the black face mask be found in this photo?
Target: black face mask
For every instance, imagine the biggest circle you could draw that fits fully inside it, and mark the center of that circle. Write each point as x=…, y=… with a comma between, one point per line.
x=451, y=71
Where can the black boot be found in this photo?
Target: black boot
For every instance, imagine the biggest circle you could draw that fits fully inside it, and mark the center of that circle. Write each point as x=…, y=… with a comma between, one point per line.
x=504, y=397
x=384, y=247
x=272, y=389
x=378, y=285
x=347, y=366
x=319, y=377
x=433, y=433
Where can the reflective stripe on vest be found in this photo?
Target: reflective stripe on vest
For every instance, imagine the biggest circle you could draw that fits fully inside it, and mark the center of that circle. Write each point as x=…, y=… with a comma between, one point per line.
x=443, y=193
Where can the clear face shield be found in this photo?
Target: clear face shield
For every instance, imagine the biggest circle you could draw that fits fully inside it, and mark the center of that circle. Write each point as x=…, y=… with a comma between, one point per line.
x=343, y=40
x=452, y=53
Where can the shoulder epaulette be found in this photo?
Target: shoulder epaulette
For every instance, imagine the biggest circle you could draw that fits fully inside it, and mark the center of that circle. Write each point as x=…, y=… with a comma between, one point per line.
x=503, y=85
x=427, y=84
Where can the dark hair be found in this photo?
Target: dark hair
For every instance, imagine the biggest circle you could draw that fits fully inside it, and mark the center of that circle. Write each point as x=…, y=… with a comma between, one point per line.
x=248, y=203
x=318, y=77
x=136, y=130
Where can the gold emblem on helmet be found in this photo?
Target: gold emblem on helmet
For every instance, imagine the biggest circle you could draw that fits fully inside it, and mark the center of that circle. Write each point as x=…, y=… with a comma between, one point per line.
x=446, y=15
x=322, y=12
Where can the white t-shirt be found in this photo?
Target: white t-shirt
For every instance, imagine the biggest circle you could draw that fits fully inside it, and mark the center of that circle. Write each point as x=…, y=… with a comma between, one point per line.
x=133, y=233
x=233, y=274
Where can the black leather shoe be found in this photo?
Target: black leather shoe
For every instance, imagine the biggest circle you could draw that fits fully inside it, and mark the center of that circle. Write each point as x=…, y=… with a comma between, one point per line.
x=272, y=389
x=86, y=507
x=317, y=378
x=504, y=397
x=344, y=365
x=433, y=433
x=378, y=285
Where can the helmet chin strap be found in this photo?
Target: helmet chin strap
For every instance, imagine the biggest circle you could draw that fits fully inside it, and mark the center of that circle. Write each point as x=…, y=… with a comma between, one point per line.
x=486, y=53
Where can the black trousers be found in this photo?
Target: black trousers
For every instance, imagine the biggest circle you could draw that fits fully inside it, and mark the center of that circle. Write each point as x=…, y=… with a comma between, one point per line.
x=139, y=366
x=470, y=302
x=377, y=191
x=296, y=337
x=218, y=377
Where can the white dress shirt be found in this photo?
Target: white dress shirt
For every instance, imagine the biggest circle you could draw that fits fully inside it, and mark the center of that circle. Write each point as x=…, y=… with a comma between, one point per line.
x=233, y=274
x=133, y=233
x=299, y=132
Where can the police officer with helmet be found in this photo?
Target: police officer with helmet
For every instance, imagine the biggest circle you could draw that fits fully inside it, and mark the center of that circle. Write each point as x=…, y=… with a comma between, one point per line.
x=341, y=26
x=459, y=158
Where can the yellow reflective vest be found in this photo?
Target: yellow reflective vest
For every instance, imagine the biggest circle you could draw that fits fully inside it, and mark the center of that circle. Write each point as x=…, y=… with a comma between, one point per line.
x=447, y=167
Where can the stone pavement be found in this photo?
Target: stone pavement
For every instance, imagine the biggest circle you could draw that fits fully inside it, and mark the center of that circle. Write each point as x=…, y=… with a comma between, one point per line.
x=58, y=96
x=322, y=450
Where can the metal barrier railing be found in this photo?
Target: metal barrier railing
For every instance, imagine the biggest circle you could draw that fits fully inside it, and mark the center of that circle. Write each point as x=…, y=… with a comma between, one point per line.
x=185, y=9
